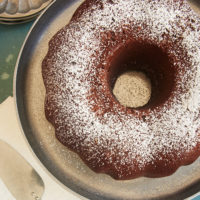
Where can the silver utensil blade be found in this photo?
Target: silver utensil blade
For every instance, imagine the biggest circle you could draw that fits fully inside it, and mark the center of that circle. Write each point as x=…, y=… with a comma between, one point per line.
x=18, y=175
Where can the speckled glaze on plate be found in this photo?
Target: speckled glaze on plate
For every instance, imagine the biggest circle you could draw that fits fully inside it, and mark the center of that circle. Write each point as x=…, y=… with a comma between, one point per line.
x=63, y=164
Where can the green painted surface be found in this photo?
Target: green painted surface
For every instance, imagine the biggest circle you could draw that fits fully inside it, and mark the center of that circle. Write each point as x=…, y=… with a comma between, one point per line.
x=11, y=40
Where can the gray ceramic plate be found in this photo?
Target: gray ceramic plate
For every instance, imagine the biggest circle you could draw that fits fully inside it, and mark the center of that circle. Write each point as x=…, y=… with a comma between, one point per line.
x=63, y=164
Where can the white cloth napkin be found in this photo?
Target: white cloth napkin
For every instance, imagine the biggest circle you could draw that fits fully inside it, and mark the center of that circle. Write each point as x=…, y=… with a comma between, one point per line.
x=10, y=132
x=4, y=192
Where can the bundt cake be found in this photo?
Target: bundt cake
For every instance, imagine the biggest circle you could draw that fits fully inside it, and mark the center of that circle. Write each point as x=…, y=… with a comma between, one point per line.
x=104, y=39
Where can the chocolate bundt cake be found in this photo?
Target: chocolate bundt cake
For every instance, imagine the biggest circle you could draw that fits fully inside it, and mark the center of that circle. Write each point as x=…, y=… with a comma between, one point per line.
x=104, y=39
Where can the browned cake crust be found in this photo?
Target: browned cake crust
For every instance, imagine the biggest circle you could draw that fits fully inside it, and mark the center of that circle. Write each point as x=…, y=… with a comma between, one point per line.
x=104, y=39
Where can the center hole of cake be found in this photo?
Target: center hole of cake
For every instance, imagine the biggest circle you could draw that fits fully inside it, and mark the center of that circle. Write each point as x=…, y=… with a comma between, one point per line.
x=132, y=89
x=140, y=75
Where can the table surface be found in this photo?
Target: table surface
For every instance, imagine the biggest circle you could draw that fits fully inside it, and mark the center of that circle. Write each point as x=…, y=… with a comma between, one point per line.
x=11, y=40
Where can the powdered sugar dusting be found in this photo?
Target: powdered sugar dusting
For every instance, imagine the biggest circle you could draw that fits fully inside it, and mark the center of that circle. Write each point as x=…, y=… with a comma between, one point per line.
x=124, y=139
